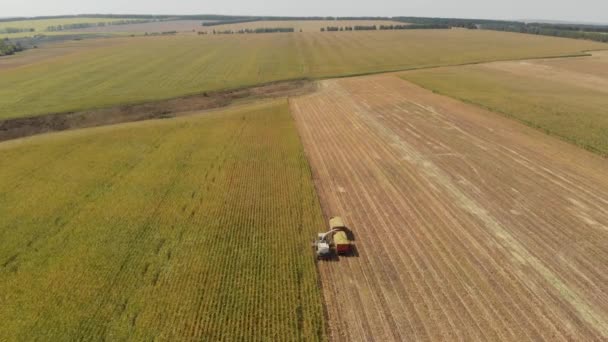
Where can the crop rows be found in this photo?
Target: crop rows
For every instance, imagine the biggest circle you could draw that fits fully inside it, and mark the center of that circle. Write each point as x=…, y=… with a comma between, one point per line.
x=100, y=73
x=468, y=226
x=185, y=229
x=570, y=94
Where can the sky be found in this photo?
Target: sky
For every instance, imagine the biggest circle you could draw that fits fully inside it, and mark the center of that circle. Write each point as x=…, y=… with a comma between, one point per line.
x=595, y=11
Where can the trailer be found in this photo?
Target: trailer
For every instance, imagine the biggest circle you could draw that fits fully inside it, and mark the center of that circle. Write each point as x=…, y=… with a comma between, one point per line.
x=341, y=242
x=335, y=240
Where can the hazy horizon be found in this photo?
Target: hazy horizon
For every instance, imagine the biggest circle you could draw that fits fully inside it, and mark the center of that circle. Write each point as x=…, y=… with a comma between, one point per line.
x=592, y=11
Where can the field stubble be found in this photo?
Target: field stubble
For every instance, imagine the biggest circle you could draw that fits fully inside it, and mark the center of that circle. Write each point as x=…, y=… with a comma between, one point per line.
x=468, y=226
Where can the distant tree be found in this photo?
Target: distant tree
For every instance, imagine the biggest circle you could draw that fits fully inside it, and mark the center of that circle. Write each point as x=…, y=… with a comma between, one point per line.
x=364, y=28
x=564, y=30
x=9, y=48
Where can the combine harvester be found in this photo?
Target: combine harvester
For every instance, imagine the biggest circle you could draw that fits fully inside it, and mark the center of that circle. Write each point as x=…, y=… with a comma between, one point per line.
x=336, y=239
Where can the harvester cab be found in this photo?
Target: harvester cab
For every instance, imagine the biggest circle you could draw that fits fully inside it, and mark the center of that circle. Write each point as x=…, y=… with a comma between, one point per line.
x=323, y=246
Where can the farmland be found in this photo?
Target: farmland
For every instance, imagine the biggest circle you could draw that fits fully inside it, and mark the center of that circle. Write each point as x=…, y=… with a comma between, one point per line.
x=196, y=223
x=192, y=228
x=564, y=97
x=139, y=28
x=40, y=25
x=122, y=70
x=468, y=225
x=304, y=25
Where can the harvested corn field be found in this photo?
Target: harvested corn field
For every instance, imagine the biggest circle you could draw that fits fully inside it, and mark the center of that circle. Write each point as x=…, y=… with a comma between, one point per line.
x=468, y=226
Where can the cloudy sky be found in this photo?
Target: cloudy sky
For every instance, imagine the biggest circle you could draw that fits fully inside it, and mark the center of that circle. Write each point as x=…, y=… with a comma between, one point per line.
x=580, y=10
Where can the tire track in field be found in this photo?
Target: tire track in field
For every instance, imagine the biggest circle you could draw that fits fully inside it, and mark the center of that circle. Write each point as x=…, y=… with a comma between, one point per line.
x=518, y=251
x=469, y=226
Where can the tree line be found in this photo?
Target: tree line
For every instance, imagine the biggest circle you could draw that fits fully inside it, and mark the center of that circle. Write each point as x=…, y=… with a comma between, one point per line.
x=451, y=22
x=573, y=27
x=349, y=28
x=414, y=27
x=228, y=22
x=15, y=30
x=164, y=33
x=577, y=31
x=554, y=30
x=257, y=30
x=383, y=27
x=129, y=16
x=75, y=26
x=9, y=48
x=241, y=19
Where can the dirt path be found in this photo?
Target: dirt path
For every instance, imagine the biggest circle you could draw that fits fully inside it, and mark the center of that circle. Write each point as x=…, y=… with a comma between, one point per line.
x=23, y=127
x=469, y=226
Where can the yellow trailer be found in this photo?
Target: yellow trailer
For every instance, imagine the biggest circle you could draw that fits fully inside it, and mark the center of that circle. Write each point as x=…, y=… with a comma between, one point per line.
x=340, y=239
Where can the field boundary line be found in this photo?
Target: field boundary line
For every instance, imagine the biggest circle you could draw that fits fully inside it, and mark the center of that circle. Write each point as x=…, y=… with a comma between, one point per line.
x=522, y=121
x=309, y=169
x=398, y=70
x=21, y=127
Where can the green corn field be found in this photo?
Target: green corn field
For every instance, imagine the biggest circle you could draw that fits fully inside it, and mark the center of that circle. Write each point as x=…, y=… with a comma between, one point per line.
x=193, y=228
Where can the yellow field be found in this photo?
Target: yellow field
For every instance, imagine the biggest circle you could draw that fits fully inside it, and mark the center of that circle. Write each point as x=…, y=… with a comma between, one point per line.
x=127, y=70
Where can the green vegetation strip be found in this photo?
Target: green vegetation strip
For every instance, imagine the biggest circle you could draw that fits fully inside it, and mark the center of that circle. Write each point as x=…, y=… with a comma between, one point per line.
x=134, y=70
x=194, y=228
x=574, y=113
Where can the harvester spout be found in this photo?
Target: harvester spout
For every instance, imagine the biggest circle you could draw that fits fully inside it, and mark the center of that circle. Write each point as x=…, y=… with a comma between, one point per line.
x=328, y=234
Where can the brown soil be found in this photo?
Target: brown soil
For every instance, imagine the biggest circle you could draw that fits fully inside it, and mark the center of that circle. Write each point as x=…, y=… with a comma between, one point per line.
x=468, y=226
x=22, y=127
